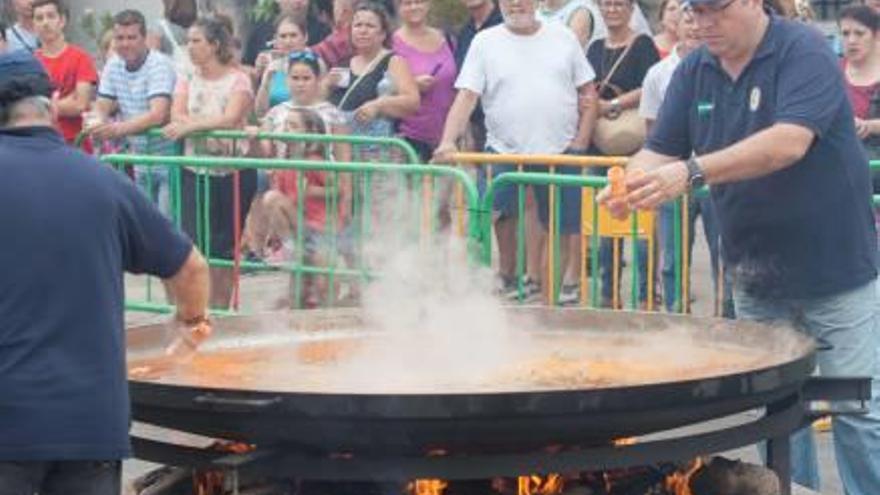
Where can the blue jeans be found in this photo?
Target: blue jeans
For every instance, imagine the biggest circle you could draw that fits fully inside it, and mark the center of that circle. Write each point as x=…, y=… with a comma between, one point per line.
x=704, y=207
x=850, y=323
x=153, y=181
x=606, y=268
x=61, y=478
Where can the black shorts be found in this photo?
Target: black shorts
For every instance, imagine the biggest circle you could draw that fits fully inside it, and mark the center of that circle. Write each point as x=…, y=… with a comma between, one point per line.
x=207, y=212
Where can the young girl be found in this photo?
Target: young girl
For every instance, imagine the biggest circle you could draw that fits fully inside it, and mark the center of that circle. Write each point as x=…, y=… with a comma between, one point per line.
x=323, y=226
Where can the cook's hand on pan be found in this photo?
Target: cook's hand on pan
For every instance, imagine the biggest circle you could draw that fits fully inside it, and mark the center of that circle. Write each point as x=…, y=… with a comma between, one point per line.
x=661, y=184
x=187, y=336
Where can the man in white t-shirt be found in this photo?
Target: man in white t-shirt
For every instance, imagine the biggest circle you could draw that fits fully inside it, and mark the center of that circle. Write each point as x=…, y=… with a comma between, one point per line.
x=136, y=87
x=528, y=75
x=653, y=92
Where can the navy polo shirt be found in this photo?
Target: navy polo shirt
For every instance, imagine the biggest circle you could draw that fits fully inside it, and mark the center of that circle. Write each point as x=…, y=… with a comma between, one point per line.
x=70, y=227
x=806, y=230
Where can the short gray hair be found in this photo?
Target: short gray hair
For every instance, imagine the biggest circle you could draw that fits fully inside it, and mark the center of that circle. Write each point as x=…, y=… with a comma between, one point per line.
x=30, y=106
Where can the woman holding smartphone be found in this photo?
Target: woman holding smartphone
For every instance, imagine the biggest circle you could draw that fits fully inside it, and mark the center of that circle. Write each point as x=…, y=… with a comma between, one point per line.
x=290, y=37
x=430, y=55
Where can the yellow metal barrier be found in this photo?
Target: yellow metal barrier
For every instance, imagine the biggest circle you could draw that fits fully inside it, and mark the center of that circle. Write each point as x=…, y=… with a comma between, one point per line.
x=608, y=227
x=641, y=227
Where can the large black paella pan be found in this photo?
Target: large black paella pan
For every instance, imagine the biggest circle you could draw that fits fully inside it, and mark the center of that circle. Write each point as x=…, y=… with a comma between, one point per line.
x=325, y=381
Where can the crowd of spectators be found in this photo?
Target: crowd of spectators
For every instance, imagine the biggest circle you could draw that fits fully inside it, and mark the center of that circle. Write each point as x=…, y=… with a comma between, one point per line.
x=382, y=69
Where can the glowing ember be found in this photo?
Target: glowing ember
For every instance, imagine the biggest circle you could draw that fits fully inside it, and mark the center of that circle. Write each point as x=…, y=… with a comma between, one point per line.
x=213, y=482
x=551, y=484
x=427, y=487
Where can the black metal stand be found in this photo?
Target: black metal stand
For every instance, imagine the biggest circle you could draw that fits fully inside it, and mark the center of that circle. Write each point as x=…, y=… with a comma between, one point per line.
x=781, y=419
x=776, y=425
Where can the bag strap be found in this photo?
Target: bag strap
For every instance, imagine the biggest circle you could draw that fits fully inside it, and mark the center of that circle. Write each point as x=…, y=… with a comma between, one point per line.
x=23, y=42
x=614, y=67
x=369, y=69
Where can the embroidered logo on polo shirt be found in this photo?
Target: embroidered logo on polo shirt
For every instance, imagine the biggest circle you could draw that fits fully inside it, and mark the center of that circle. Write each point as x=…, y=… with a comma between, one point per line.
x=755, y=99
x=704, y=108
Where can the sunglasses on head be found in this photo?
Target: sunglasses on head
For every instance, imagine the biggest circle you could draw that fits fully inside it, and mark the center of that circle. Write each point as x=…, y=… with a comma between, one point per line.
x=303, y=55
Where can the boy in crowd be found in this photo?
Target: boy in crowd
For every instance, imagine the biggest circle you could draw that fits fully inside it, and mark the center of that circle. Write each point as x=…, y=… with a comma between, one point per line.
x=70, y=68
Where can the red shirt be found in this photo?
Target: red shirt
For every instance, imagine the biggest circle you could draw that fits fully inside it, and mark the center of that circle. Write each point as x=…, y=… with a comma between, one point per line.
x=859, y=96
x=315, y=208
x=70, y=67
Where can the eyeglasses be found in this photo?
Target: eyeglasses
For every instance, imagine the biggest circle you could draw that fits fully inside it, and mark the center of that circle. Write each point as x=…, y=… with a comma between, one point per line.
x=302, y=56
x=710, y=11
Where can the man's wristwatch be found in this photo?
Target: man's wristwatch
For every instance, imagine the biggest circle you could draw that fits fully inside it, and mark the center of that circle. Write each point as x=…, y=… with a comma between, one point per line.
x=696, y=179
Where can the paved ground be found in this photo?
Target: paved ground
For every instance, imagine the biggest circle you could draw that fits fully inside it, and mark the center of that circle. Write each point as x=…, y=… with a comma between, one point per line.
x=261, y=293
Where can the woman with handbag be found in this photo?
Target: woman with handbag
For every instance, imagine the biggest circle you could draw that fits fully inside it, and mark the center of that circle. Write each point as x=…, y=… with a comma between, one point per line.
x=621, y=61
x=374, y=89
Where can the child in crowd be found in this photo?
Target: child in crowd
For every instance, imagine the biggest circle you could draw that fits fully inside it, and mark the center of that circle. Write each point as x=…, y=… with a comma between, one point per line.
x=323, y=234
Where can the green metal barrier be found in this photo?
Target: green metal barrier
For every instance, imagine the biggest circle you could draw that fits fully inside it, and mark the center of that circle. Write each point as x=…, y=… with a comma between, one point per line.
x=522, y=179
x=416, y=183
x=358, y=143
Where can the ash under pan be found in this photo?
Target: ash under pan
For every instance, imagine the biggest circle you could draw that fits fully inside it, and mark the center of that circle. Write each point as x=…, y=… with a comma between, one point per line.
x=326, y=380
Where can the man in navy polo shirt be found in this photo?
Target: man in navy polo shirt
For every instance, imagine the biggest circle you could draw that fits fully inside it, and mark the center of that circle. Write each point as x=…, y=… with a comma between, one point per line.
x=71, y=226
x=760, y=114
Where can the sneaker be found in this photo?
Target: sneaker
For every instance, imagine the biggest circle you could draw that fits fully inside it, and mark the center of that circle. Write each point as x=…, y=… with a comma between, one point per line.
x=569, y=295
x=281, y=254
x=530, y=291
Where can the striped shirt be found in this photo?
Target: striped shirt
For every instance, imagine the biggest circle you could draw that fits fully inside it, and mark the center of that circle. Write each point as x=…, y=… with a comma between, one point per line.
x=133, y=90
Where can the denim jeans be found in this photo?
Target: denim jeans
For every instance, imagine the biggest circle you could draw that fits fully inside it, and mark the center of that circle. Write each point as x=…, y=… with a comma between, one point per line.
x=666, y=232
x=606, y=268
x=850, y=323
x=155, y=184
x=61, y=478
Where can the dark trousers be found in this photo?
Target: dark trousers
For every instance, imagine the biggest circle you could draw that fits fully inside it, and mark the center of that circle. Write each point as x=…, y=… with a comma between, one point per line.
x=61, y=478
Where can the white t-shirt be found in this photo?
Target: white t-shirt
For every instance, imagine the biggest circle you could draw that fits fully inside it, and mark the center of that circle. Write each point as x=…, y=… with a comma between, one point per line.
x=655, y=84
x=528, y=86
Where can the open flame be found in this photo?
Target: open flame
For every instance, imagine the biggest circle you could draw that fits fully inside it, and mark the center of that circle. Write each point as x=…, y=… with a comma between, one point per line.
x=213, y=482
x=552, y=484
x=679, y=482
x=427, y=487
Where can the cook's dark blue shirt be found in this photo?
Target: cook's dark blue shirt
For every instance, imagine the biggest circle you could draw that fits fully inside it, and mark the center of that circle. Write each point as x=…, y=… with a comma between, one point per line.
x=70, y=226
x=806, y=230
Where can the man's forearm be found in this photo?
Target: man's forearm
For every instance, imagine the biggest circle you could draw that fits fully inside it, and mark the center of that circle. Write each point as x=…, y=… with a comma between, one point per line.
x=763, y=153
x=647, y=160
x=586, y=119
x=190, y=287
x=458, y=116
x=71, y=106
x=142, y=123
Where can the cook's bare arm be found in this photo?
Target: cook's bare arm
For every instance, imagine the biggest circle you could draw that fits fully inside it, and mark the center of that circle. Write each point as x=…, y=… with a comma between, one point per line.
x=189, y=289
x=456, y=123
x=763, y=153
